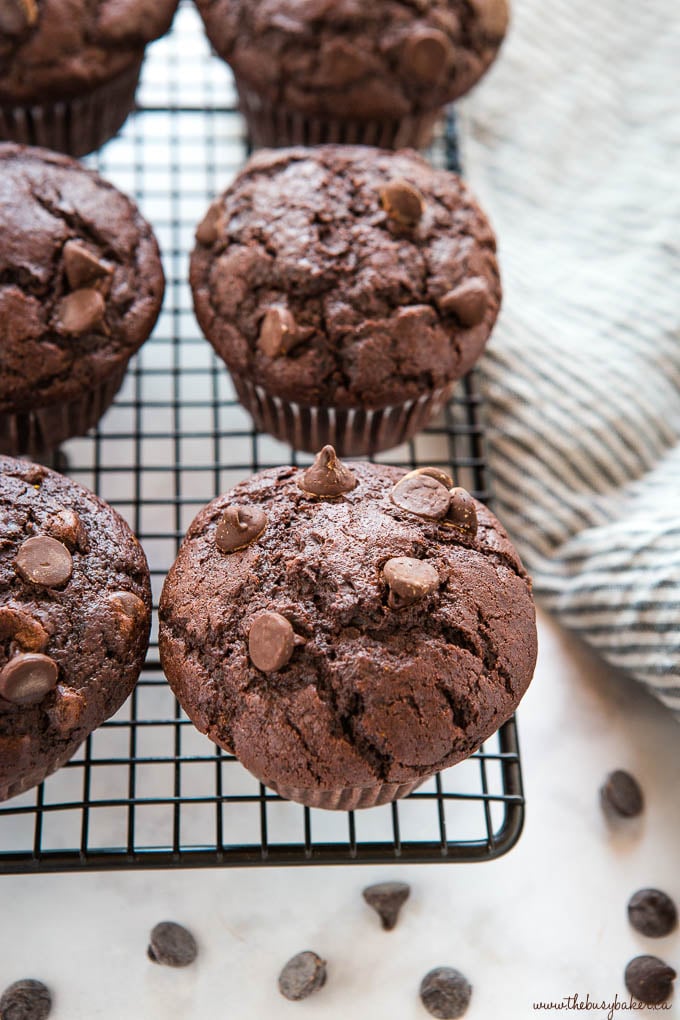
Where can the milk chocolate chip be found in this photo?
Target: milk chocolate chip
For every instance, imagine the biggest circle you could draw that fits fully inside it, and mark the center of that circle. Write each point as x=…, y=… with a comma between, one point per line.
x=494, y=16
x=422, y=495
x=67, y=712
x=327, y=476
x=17, y=625
x=240, y=527
x=278, y=333
x=426, y=54
x=468, y=301
x=128, y=607
x=81, y=266
x=403, y=203
x=271, y=641
x=432, y=472
x=462, y=513
x=82, y=312
x=44, y=561
x=17, y=15
x=409, y=580
x=68, y=528
x=26, y=679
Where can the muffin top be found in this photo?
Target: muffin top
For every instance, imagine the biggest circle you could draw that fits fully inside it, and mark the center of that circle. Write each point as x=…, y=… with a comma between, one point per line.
x=357, y=58
x=81, y=282
x=346, y=625
x=75, y=609
x=346, y=275
x=58, y=49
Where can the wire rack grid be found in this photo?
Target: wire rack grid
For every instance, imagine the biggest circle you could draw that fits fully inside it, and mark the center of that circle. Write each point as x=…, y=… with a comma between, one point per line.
x=146, y=789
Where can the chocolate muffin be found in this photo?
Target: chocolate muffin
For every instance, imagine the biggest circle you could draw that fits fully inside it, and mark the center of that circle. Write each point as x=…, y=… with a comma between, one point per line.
x=347, y=632
x=81, y=286
x=69, y=68
x=75, y=611
x=346, y=288
x=351, y=71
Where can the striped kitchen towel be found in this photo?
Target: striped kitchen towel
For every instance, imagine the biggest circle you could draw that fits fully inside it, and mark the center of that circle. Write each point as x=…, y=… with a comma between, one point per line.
x=573, y=144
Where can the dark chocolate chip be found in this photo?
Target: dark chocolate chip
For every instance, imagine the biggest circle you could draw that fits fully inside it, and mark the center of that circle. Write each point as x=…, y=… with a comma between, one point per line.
x=468, y=301
x=403, y=203
x=210, y=227
x=240, y=527
x=440, y=476
x=422, y=495
x=129, y=609
x=327, y=476
x=26, y=1000
x=445, y=993
x=44, y=561
x=649, y=979
x=409, y=580
x=652, y=913
x=17, y=625
x=621, y=794
x=387, y=899
x=82, y=267
x=426, y=54
x=67, y=712
x=27, y=678
x=271, y=641
x=172, y=945
x=82, y=312
x=278, y=332
x=462, y=513
x=17, y=15
x=66, y=526
x=302, y=975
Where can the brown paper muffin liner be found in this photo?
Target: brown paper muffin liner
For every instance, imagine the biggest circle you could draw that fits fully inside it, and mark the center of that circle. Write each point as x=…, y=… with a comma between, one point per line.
x=272, y=126
x=354, y=432
x=12, y=786
x=33, y=433
x=348, y=798
x=74, y=126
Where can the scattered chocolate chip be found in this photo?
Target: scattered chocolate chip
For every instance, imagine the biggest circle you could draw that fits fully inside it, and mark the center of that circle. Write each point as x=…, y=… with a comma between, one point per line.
x=302, y=975
x=422, y=495
x=432, y=472
x=271, y=641
x=82, y=312
x=210, y=227
x=445, y=993
x=68, y=528
x=17, y=15
x=44, y=561
x=387, y=899
x=462, y=513
x=621, y=794
x=278, y=333
x=649, y=979
x=409, y=580
x=172, y=945
x=468, y=302
x=426, y=54
x=128, y=607
x=26, y=1000
x=240, y=527
x=403, y=203
x=327, y=476
x=17, y=625
x=82, y=267
x=652, y=913
x=27, y=678
x=67, y=712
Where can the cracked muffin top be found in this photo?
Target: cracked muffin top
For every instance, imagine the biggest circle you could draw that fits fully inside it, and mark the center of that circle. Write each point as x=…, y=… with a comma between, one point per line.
x=81, y=282
x=336, y=57
x=347, y=625
x=58, y=49
x=346, y=276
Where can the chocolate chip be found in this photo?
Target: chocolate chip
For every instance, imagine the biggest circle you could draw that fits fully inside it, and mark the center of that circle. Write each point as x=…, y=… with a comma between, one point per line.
x=17, y=15
x=271, y=641
x=445, y=993
x=649, y=979
x=422, y=495
x=44, y=561
x=494, y=16
x=81, y=266
x=172, y=945
x=19, y=626
x=27, y=678
x=652, y=913
x=387, y=899
x=621, y=795
x=403, y=203
x=129, y=609
x=468, y=302
x=409, y=580
x=67, y=712
x=302, y=975
x=240, y=527
x=327, y=476
x=82, y=312
x=426, y=54
x=462, y=513
x=68, y=528
x=432, y=472
x=210, y=227
x=278, y=333
x=26, y=1000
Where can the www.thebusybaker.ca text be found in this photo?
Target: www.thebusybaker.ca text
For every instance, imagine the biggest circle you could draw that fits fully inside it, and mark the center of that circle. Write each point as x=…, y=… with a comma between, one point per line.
x=610, y=1008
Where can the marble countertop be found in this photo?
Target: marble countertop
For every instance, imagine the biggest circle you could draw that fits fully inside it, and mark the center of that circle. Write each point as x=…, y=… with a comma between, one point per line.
x=545, y=922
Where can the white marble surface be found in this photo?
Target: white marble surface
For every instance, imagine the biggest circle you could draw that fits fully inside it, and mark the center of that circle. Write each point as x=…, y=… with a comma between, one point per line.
x=547, y=921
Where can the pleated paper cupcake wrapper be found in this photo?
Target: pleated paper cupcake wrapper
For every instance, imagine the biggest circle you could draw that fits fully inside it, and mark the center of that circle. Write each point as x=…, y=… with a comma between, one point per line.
x=74, y=126
x=33, y=433
x=26, y=780
x=348, y=798
x=354, y=432
x=273, y=126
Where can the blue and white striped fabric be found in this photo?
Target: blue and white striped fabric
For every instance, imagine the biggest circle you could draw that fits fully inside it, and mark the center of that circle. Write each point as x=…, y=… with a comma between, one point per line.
x=573, y=145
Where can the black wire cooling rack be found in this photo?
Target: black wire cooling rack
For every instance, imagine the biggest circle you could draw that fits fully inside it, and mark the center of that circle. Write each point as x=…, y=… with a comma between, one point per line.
x=147, y=790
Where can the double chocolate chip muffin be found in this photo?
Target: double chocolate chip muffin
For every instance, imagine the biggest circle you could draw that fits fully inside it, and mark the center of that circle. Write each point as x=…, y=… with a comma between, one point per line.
x=346, y=288
x=345, y=631
x=352, y=70
x=81, y=286
x=75, y=612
